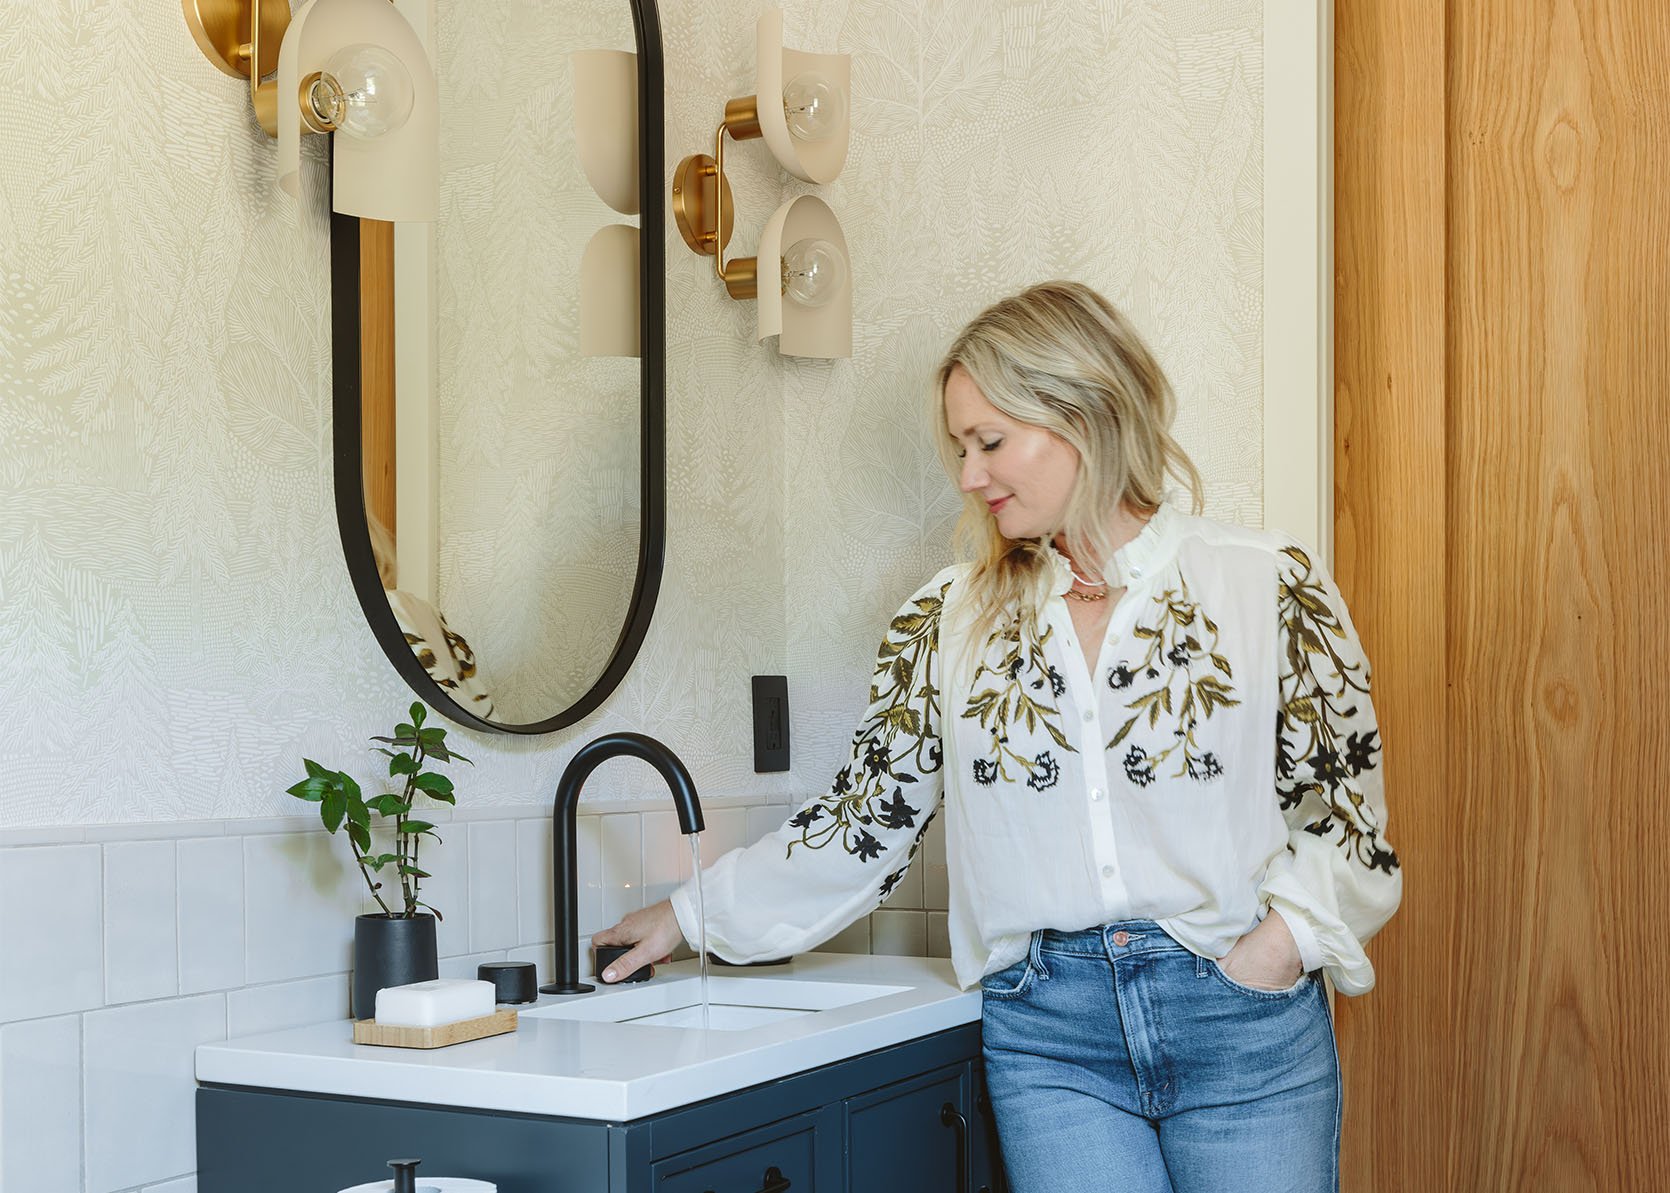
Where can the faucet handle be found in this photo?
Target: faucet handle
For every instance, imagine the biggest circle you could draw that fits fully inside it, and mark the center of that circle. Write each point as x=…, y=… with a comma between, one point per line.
x=605, y=955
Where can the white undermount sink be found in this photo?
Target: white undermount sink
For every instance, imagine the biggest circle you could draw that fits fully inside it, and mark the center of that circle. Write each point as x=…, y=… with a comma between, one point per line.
x=734, y=1004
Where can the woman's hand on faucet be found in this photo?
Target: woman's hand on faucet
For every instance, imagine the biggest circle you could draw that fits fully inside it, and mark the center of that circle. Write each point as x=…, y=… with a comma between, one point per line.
x=653, y=933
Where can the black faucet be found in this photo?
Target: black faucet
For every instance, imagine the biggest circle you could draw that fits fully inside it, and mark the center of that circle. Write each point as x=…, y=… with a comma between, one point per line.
x=566, y=979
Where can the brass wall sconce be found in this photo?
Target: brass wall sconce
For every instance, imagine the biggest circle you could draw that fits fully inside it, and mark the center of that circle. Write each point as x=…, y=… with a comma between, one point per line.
x=350, y=66
x=805, y=122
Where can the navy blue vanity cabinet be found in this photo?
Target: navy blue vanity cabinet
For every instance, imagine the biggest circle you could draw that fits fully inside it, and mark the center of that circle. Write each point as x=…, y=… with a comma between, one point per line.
x=912, y=1136
x=902, y=1118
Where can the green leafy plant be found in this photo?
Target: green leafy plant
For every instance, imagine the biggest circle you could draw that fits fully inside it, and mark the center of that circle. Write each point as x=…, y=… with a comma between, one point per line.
x=341, y=804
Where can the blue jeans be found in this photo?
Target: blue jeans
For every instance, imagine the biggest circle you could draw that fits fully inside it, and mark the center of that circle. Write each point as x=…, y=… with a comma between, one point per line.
x=1120, y=1062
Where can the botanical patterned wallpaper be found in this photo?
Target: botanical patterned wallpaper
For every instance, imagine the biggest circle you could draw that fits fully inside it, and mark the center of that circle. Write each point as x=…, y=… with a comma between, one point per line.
x=175, y=624
x=997, y=144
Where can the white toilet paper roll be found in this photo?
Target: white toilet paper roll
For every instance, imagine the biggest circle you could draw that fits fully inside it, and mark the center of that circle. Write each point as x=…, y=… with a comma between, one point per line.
x=431, y=1184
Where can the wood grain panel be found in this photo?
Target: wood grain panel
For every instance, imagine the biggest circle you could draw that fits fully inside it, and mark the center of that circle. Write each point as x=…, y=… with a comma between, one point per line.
x=377, y=368
x=1531, y=834
x=1389, y=538
x=1557, y=379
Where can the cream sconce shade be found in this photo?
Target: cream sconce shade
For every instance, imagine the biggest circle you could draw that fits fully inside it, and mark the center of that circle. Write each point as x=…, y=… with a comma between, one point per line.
x=606, y=141
x=802, y=110
x=606, y=124
x=809, y=130
x=609, y=292
x=354, y=67
x=811, y=308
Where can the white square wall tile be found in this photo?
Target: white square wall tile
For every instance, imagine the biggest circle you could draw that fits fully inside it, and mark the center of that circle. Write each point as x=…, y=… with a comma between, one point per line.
x=536, y=878
x=301, y=894
x=211, y=913
x=140, y=1088
x=141, y=950
x=933, y=845
x=447, y=891
x=622, y=866
x=939, y=934
x=726, y=829
x=493, y=919
x=540, y=955
x=899, y=933
x=51, y=930
x=666, y=856
x=256, y=1009
x=936, y=887
x=764, y=821
x=40, y=1105
x=854, y=938
x=465, y=965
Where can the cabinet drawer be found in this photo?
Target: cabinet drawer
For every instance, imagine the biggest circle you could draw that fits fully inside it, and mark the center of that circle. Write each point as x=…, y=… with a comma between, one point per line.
x=774, y=1159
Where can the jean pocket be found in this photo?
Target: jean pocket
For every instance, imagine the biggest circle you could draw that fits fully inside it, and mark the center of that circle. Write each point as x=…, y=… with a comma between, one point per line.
x=1298, y=987
x=1011, y=982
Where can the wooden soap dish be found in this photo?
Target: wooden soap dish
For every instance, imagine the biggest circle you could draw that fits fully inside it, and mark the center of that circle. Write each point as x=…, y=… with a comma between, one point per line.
x=369, y=1031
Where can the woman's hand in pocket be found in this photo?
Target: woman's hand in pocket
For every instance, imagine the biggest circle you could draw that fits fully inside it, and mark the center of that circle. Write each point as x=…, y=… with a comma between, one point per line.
x=1265, y=958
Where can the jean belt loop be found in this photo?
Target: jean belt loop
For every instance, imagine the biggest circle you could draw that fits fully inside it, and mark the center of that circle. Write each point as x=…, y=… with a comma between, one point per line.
x=1035, y=955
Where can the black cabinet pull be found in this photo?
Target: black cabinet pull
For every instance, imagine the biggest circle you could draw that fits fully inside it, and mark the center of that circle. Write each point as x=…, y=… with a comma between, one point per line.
x=775, y=1181
x=951, y=1117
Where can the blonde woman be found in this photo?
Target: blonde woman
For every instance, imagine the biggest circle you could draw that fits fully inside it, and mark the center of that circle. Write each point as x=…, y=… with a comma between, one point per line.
x=1160, y=773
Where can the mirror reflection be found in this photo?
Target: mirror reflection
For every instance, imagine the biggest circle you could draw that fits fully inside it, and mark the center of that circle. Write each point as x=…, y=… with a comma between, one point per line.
x=505, y=520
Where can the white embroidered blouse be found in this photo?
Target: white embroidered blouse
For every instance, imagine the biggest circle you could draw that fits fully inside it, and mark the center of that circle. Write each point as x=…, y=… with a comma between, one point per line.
x=1221, y=759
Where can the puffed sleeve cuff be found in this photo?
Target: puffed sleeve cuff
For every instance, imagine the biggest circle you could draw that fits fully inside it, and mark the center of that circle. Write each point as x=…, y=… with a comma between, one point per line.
x=685, y=912
x=1304, y=935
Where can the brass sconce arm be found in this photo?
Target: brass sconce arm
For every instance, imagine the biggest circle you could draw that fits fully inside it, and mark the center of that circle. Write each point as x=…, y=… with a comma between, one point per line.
x=702, y=202
x=242, y=37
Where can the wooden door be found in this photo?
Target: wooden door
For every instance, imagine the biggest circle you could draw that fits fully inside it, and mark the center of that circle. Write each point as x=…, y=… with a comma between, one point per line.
x=1502, y=449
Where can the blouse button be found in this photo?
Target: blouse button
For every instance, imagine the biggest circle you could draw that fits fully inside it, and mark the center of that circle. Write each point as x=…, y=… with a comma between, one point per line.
x=1095, y=794
x=1089, y=715
x=1107, y=871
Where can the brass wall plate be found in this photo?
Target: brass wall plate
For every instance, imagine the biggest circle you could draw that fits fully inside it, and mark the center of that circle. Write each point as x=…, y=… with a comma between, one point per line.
x=695, y=203
x=221, y=29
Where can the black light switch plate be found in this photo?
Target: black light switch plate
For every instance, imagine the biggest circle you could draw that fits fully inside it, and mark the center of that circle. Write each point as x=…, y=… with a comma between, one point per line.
x=771, y=723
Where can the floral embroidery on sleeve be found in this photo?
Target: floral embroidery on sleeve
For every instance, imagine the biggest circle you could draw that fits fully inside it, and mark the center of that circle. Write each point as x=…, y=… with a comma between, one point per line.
x=1181, y=668
x=895, y=746
x=1021, y=676
x=1324, y=747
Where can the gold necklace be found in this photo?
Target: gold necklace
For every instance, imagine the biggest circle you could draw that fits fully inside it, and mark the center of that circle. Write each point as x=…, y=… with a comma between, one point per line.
x=1083, y=596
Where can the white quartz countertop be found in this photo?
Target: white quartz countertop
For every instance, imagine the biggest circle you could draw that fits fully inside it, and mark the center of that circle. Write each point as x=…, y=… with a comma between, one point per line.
x=603, y=1070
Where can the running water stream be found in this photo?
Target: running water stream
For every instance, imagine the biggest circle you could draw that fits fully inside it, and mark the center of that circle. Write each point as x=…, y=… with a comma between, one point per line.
x=701, y=918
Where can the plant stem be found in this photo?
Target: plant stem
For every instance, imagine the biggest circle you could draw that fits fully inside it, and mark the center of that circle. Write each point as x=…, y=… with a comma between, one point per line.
x=366, y=874
x=409, y=882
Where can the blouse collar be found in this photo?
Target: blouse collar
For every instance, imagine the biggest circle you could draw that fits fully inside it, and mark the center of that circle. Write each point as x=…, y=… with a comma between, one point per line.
x=1141, y=557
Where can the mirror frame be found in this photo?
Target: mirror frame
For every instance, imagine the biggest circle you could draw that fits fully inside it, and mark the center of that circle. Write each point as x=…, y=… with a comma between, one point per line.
x=348, y=465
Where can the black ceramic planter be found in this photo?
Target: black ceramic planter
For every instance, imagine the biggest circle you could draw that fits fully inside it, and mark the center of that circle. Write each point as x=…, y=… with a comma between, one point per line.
x=390, y=951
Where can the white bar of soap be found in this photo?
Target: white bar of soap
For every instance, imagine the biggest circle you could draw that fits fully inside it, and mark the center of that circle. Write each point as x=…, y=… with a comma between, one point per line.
x=435, y=1003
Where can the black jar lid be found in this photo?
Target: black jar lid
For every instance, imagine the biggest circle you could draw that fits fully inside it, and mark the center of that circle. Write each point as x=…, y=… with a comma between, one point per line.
x=513, y=981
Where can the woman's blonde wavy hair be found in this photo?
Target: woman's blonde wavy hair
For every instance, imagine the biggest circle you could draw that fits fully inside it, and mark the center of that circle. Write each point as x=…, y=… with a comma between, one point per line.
x=1060, y=356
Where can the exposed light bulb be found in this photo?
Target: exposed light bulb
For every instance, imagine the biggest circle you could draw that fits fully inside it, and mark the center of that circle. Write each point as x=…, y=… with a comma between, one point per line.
x=364, y=91
x=815, y=108
x=813, y=272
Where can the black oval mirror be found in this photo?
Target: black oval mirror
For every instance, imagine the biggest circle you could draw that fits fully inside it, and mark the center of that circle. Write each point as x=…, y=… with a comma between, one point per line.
x=499, y=382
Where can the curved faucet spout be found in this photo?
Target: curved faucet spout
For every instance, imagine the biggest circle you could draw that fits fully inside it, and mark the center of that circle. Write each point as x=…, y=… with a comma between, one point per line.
x=564, y=810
